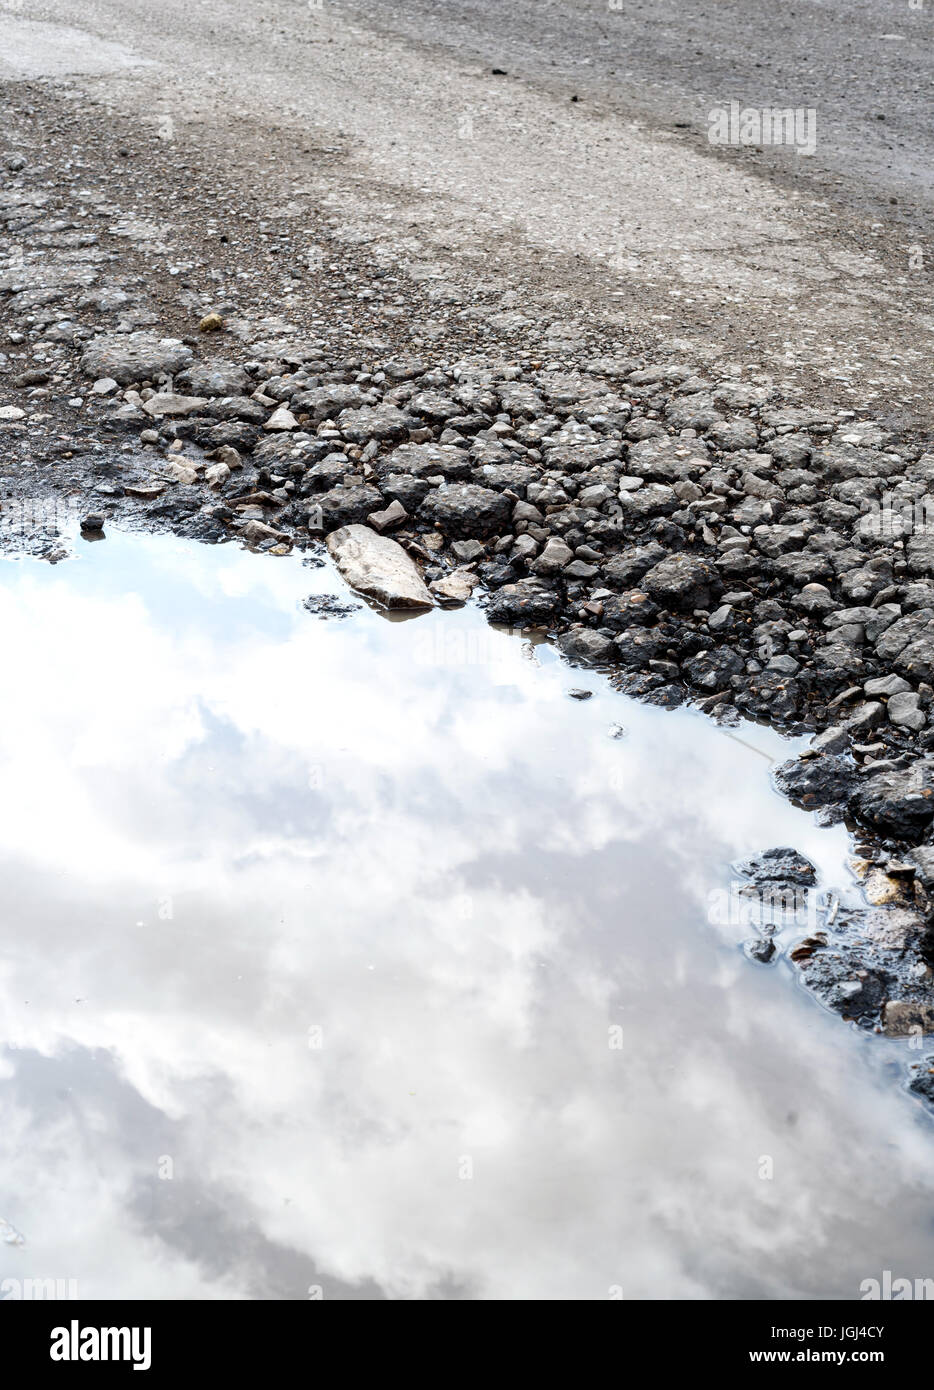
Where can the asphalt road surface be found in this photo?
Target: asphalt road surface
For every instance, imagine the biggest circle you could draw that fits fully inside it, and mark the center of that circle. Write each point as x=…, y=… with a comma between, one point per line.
x=579, y=178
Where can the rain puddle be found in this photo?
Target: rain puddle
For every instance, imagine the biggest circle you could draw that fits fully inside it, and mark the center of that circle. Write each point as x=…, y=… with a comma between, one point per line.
x=349, y=958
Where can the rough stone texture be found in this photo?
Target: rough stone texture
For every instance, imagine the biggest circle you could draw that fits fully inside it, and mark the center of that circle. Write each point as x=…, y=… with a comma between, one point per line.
x=342, y=506
x=456, y=587
x=214, y=379
x=426, y=460
x=900, y=802
x=780, y=865
x=523, y=605
x=369, y=422
x=681, y=582
x=819, y=781
x=587, y=648
x=168, y=403
x=129, y=357
x=463, y=509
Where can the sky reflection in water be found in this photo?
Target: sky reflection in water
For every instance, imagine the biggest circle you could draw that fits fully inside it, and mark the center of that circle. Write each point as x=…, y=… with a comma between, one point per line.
x=337, y=917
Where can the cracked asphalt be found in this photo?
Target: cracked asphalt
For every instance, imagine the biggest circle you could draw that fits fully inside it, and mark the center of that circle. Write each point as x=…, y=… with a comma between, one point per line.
x=576, y=184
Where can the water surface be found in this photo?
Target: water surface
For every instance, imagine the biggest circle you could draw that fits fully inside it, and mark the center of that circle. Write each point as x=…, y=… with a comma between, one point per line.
x=354, y=958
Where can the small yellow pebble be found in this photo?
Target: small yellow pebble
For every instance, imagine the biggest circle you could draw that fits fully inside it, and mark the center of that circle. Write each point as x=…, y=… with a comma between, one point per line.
x=211, y=323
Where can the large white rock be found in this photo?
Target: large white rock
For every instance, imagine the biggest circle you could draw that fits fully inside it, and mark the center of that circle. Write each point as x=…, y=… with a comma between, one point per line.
x=378, y=567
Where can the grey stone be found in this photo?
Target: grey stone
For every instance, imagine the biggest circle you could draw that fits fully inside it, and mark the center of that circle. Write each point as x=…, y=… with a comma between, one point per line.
x=903, y=710
x=731, y=435
x=168, y=403
x=886, y=685
x=129, y=357
x=346, y=506
x=456, y=587
x=463, y=510
x=426, y=461
x=897, y=802
x=281, y=419
x=923, y=860
x=780, y=865
x=589, y=648
x=393, y=515
x=554, y=557
x=683, y=582
x=836, y=739
x=817, y=781
x=526, y=604
x=466, y=551
x=215, y=379
x=371, y=422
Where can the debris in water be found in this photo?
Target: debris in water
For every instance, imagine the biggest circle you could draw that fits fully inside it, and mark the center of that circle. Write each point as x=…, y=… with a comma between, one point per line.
x=9, y=1235
x=329, y=606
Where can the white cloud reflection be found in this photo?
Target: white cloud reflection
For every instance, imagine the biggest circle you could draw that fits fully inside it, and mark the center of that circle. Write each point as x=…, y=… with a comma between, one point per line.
x=226, y=823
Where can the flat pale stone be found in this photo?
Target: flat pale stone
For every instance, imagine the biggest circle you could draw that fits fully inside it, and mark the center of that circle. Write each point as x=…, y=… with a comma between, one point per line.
x=181, y=471
x=879, y=888
x=378, y=567
x=394, y=515
x=168, y=403
x=253, y=532
x=146, y=491
x=11, y=412
x=228, y=454
x=216, y=475
x=457, y=586
x=281, y=419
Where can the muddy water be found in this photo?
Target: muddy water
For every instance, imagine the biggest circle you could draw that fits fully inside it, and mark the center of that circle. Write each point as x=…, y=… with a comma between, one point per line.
x=352, y=958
